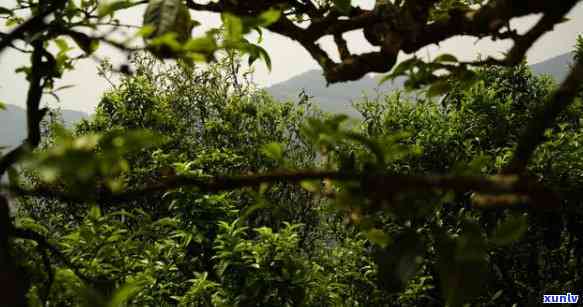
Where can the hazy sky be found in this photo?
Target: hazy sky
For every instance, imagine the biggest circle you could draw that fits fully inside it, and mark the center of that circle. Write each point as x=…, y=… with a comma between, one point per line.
x=289, y=58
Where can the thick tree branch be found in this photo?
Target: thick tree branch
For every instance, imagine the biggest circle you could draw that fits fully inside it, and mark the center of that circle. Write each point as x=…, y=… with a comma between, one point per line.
x=406, y=28
x=33, y=115
x=375, y=184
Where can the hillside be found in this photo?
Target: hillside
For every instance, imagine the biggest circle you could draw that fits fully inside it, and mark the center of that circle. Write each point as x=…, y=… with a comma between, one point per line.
x=557, y=67
x=337, y=98
x=13, y=120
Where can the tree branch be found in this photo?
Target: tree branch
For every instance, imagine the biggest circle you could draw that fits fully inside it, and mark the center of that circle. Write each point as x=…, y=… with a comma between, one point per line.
x=376, y=184
x=33, y=115
x=34, y=24
x=545, y=117
x=409, y=29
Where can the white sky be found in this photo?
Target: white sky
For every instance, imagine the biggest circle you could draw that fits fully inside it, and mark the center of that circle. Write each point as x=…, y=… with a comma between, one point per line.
x=289, y=58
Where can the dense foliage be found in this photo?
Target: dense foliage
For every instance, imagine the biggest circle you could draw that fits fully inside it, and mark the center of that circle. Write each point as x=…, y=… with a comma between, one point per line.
x=192, y=187
x=285, y=245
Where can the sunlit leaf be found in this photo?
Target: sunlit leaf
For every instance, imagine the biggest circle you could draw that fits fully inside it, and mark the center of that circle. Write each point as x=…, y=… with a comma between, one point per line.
x=110, y=7
x=273, y=151
x=233, y=27
x=125, y=293
x=29, y=223
x=269, y=17
x=94, y=212
x=313, y=186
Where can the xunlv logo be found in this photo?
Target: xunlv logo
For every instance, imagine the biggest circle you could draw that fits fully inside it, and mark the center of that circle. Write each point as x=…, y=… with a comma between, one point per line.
x=560, y=298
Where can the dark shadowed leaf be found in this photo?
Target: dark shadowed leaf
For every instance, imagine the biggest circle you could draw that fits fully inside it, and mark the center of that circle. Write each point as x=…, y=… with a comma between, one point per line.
x=439, y=88
x=510, y=230
x=445, y=58
x=342, y=6
x=5, y=11
x=399, y=261
x=462, y=264
x=169, y=18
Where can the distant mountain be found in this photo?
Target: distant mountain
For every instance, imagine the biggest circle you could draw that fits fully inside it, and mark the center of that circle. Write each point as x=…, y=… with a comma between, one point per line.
x=557, y=67
x=337, y=98
x=13, y=123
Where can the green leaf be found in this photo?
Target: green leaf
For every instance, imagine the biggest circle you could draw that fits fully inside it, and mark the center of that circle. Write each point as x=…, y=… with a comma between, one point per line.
x=260, y=204
x=378, y=237
x=2, y=105
x=446, y=58
x=204, y=45
x=146, y=31
x=28, y=223
x=399, y=261
x=343, y=6
x=169, y=18
x=257, y=52
x=462, y=264
x=273, y=151
x=439, y=88
x=401, y=69
x=110, y=7
x=269, y=17
x=62, y=45
x=510, y=230
x=122, y=295
x=5, y=11
x=233, y=27
x=13, y=177
x=313, y=186
x=94, y=212
x=86, y=43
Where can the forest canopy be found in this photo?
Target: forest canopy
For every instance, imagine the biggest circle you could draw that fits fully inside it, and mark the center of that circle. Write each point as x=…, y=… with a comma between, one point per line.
x=191, y=186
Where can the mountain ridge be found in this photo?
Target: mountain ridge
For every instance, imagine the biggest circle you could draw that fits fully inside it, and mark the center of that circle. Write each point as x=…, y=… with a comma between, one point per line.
x=337, y=97
x=13, y=119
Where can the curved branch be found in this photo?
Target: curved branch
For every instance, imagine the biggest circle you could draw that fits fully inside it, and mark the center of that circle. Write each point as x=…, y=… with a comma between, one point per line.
x=409, y=29
x=380, y=184
x=545, y=117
